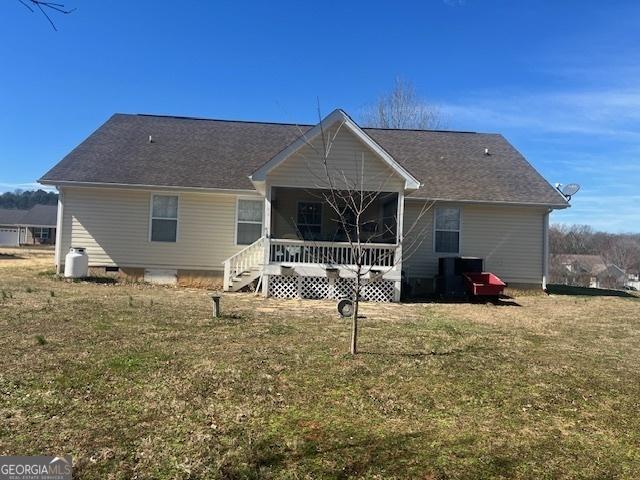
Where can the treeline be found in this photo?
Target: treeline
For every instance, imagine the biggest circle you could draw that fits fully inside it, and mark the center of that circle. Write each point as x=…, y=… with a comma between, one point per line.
x=25, y=199
x=621, y=249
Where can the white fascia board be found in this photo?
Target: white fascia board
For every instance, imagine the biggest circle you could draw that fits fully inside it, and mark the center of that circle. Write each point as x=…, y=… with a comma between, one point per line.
x=126, y=186
x=35, y=225
x=411, y=183
x=489, y=202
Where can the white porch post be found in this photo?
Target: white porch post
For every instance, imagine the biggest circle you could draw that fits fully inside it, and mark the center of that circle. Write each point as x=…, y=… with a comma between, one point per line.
x=267, y=237
x=226, y=282
x=545, y=250
x=399, y=239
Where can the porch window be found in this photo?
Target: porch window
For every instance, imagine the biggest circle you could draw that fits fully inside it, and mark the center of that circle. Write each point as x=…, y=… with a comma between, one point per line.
x=249, y=225
x=447, y=230
x=164, y=218
x=310, y=220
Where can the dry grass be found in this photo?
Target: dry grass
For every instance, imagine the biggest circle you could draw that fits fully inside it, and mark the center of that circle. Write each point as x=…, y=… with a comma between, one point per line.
x=37, y=256
x=139, y=382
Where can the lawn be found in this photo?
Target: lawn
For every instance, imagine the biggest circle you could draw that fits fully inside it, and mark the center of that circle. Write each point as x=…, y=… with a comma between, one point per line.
x=140, y=382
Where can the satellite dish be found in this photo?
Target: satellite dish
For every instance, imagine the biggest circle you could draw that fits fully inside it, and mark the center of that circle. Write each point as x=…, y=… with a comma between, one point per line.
x=570, y=189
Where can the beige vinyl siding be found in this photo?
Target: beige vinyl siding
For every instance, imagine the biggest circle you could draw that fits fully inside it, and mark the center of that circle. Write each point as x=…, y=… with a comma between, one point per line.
x=113, y=225
x=510, y=239
x=348, y=156
x=419, y=261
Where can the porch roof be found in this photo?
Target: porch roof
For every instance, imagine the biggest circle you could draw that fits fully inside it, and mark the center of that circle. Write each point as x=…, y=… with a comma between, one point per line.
x=222, y=154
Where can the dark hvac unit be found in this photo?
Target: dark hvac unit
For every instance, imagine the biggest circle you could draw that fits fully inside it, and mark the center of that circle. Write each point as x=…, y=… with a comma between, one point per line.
x=450, y=283
x=468, y=265
x=447, y=266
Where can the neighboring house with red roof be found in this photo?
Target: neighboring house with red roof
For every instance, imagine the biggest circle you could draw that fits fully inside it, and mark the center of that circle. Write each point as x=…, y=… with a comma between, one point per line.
x=235, y=201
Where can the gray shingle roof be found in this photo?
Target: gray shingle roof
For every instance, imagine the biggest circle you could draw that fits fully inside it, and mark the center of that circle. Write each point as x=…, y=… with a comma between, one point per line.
x=38, y=215
x=44, y=215
x=11, y=216
x=189, y=152
x=587, y=263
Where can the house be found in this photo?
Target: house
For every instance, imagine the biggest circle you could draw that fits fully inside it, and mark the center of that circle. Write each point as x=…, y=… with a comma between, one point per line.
x=177, y=199
x=36, y=226
x=588, y=271
x=9, y=227
x=633, y=281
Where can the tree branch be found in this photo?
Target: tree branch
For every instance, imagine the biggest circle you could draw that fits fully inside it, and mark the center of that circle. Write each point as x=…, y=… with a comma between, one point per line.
x=43, y=6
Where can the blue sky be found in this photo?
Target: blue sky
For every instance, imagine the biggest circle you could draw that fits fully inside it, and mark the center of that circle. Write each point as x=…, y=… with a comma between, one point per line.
x=561, y=80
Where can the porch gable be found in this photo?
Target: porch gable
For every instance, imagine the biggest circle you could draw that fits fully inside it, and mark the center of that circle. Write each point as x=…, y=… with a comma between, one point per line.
x=354, y=161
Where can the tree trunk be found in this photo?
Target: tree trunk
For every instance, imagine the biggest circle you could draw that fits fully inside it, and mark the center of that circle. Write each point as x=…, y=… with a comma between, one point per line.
x=354, y=329
x=354, y=322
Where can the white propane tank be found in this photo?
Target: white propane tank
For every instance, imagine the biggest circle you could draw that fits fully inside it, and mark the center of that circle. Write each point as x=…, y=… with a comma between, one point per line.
x=76, y=263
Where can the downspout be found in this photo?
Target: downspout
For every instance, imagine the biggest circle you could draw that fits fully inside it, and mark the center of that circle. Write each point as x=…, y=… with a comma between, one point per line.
x=58, y=253
x=545, y=249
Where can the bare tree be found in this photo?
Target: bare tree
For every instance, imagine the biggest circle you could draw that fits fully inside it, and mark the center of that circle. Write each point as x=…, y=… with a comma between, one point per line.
x=45, y=8
x=623, y=252
x=576, y=239
x=402, y=108
x=349, y=197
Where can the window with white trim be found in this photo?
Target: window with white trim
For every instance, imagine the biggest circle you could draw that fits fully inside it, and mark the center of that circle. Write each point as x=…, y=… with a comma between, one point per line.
x=447, y=230
x=164, y=218
x=249, y=225
x=309, y=220
x=40, y=232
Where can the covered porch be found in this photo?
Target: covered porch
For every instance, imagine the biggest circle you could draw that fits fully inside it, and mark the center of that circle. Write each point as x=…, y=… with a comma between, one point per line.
x=305, y=229
x=333, y=209
x=312, y=251
x=305, y=214
x=308, y=250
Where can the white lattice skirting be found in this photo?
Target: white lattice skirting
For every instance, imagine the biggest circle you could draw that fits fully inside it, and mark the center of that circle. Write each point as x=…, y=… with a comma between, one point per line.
x=295, y=286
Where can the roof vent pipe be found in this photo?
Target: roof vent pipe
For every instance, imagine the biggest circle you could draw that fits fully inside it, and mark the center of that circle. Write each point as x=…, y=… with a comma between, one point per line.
x=150, y=139
x=486, y=151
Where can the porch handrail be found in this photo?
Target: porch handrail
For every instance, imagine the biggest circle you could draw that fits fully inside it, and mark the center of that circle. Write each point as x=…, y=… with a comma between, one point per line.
x=242, y=261
x=326, y=243
x=336, y=253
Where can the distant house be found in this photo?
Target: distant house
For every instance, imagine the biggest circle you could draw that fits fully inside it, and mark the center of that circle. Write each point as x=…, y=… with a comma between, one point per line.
x=587, y=271
x=633, y=280
x=234, y=202
x=36, y=226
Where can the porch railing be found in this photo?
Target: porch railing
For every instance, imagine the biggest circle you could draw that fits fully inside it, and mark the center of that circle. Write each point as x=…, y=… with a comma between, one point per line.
x=251, y=256
x=333, y=253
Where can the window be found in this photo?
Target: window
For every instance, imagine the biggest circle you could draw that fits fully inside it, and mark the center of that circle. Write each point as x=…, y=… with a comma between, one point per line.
x=40, y=232
x=249, y=227
x=447, y=238
x=310, y=220
x=164, y=218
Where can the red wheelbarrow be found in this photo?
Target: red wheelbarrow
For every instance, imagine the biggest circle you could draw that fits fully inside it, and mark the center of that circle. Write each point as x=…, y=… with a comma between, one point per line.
x=483, y=284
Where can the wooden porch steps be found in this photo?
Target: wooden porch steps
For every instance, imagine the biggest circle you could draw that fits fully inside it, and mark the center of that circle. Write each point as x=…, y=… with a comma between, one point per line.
x=244, y=267
x=245, y=278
